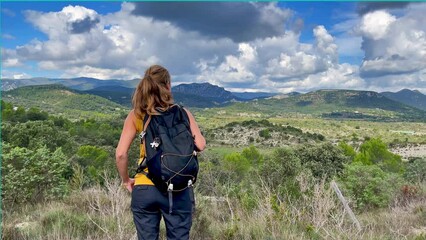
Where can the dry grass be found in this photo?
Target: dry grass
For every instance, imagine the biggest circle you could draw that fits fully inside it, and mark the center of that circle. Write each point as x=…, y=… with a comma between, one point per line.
x=104, y=213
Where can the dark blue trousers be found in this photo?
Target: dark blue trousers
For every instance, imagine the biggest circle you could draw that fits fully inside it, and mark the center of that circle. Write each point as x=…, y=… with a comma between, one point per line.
x=149, y=204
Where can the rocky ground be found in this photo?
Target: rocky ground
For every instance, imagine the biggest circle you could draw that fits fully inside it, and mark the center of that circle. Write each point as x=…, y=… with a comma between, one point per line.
x=410, y=151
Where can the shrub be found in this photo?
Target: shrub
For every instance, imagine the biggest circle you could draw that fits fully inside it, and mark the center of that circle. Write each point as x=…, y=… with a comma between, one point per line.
x=369, y=186
x=280, y=170
x=324, y=160
x=236, y=165
x=34, y=114
x=32, y=176
x=416, y=171
x=375, y=151
x=94, y=161
x=253, y=155
x=348, y=150
x=36, y=134
x=264, y=133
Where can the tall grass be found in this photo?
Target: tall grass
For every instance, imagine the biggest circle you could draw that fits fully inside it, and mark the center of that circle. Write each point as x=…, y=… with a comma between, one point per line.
x=104, y=213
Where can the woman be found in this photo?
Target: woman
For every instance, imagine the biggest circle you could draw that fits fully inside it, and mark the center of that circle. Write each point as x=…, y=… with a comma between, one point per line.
x=148, y=203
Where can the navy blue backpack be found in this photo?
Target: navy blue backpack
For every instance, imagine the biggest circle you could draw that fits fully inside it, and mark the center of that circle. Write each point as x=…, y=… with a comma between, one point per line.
x=170, y=152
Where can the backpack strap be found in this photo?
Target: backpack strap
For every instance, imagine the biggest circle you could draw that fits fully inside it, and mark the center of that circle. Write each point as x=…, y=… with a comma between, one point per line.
x=142, y=150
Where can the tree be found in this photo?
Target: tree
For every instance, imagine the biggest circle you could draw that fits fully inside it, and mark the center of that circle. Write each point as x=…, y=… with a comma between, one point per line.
x=375, y=151
x=34, y=114
x=19, y=115
x=35, y=134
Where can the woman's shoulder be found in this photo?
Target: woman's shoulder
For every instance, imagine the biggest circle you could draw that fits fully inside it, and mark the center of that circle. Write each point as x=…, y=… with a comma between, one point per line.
x=132, y=114
x=137, y=121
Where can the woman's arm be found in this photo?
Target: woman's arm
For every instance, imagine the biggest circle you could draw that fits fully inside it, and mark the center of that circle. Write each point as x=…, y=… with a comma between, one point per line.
x=121, y=157
x=199, y=140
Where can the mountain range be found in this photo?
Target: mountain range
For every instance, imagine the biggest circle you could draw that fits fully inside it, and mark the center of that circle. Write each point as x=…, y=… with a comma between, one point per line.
x=333, y=103
x=325, y=103
x=195, y=94
x=81, y=83
x=413, y=98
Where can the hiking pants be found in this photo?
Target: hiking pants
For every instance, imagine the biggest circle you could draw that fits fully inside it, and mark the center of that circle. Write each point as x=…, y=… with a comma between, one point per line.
x=149, y=204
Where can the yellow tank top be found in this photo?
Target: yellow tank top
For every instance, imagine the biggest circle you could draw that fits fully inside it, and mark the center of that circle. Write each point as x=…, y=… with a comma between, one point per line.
x=140, y=178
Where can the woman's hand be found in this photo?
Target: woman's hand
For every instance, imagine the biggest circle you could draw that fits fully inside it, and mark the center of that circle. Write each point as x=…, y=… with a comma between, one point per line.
x=129, y=184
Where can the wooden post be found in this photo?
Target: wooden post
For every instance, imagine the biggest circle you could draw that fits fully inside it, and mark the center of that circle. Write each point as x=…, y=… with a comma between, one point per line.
x=345, y=205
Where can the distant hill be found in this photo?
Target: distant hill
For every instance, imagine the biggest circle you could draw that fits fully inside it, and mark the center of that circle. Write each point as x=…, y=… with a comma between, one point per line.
x=253, y=95
x=201, y=95
x=9, y=84
x=120, y=91
x=410, y=97
x=81, y=83
x=350, y=104
x=118, y=94
x=60, y=100
x=333, y=104
x=281, y=96
x=190, y=95
x=192, y=100
x=206, y=90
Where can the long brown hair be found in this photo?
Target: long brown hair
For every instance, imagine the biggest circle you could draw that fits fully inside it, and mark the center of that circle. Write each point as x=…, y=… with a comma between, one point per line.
x=152, y=92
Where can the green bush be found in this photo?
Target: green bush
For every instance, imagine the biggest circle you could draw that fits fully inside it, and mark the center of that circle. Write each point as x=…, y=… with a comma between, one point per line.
x=253, y=155
x=348, y=150
x=36, y=134
x=324, y=160
x=279, y=171
x=416, y=171
x=265, y=133
x=94, y=161
x=34, y=114
x=375, y=151
x=369, y=186
x=31, y=176
x=236, y=165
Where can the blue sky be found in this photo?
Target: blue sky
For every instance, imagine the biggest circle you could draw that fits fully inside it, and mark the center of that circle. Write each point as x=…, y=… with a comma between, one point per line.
x=242, y=46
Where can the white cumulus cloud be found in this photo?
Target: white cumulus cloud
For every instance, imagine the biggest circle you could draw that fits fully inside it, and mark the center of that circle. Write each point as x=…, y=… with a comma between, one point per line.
x=395, y=48
x=375, y=25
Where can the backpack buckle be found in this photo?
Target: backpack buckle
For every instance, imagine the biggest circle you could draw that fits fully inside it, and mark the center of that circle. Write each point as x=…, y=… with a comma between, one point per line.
x=142, y=135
